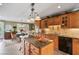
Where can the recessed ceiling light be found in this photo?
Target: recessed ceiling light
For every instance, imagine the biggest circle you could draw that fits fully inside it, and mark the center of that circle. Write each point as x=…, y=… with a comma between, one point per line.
x=59, y=6
x=0, y=4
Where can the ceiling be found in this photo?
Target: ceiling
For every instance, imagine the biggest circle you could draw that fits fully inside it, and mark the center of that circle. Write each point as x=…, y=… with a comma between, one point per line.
x=20, y=12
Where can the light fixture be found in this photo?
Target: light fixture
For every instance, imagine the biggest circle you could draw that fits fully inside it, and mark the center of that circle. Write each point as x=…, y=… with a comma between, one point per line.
x=0, y=4
x=37, y=17
x=34, y=15
x=59, y=6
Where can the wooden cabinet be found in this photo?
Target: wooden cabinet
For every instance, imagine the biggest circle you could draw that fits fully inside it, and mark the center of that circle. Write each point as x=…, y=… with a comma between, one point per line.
x=34, y=50
x=53, y=21
x=75, y=46
x=44, y=23
x=54, y=38
x=74, y=20
x=50, y=21
x=70, y=20
x=65, y=21
x=7, y=35
x=57, y=20
x=56, y=42
x=46, y=50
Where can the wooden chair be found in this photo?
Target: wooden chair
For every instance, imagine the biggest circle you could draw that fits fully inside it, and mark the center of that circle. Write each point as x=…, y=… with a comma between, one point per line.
x=13, y=35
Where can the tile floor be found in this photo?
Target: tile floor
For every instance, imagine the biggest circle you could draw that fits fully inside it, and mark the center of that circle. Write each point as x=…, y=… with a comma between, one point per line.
x=8, y=47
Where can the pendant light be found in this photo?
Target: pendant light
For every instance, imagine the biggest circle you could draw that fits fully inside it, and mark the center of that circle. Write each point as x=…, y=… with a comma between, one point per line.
x=34, y=15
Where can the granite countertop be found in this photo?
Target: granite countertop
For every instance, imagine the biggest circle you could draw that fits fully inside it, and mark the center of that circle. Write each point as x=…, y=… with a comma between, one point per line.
x=72, y=33
x=71, y=36
x=67, y=35
x=37, y=43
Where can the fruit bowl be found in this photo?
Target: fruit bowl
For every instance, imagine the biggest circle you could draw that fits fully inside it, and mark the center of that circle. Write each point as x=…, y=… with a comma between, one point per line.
x=41, y=37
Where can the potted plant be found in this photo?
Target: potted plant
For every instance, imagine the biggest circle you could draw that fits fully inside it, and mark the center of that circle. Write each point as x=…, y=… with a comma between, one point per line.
x=14, y=29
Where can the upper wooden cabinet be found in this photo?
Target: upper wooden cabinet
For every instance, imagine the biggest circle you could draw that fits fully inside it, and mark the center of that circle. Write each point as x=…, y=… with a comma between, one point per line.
x=57, y=20
x=54, y=21
x=65, y=21
x=44, y=23
x=74, y=20
x=70, y=20
x=50, y=21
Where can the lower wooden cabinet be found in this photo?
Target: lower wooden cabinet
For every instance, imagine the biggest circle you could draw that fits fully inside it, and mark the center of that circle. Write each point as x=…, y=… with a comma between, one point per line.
x=46, y=50
x=75, y=46
x=29, y=48
x=54, y=38
x=34, y=50
x=56, y=42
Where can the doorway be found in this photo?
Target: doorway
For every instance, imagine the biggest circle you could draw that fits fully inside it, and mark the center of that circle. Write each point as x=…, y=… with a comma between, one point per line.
x=1, y=30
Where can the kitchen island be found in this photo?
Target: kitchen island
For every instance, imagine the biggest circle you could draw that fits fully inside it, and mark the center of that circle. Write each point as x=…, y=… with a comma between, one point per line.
x=35, y=47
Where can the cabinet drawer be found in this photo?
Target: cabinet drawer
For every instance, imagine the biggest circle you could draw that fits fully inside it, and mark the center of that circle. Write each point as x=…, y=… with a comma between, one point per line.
x=34, y=53
x=33, y=48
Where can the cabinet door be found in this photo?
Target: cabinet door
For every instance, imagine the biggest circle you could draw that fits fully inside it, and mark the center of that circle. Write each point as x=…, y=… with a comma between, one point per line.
x=34, y=50
x=56, y=42
x=54, y=38
x=50, y=21
x=57, y=20
x=44, y=23
x=75, y=20
x=48, y=49
x=65, y=21
x=75, y=46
